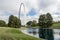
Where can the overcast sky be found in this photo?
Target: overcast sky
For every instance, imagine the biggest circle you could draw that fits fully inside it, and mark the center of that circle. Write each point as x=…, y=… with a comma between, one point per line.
x=33, y=8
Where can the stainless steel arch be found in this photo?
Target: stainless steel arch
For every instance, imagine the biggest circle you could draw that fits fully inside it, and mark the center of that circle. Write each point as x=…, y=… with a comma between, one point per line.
x=22, y=4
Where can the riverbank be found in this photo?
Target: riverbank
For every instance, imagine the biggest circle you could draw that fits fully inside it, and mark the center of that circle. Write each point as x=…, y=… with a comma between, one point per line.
x=25, y=32
x=56, y=33
x=7, y=33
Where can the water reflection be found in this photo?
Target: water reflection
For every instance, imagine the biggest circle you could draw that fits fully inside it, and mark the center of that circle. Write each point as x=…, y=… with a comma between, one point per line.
x=56, y=34
x=34, y=31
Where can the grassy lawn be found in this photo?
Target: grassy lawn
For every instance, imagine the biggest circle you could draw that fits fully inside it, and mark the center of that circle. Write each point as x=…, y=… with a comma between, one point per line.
x=13, y=34
x=56, y=25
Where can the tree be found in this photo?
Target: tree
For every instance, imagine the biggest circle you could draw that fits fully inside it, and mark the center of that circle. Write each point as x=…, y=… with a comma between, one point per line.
x=29, y=22
x=34, y=23
x=11, y=21
x=42, y=21
x=45, y=21
x=2, y=23
x=49, y=20
x=17, y=22
x=42, y=25
x=14, y=22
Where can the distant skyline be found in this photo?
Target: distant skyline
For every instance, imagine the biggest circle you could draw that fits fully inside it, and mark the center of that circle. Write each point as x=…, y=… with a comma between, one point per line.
x=33, y=9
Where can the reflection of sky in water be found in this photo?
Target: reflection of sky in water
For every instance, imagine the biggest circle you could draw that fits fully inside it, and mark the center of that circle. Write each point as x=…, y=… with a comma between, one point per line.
x=55, y=31
x=57, y=37
x=57, y=34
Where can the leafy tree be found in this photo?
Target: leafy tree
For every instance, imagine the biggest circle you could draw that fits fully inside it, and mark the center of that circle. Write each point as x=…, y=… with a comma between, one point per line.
x=34, y=23
x=2, y=23
x=17, y=22
x=42, y=25
x=45, y=21
x=11, y=21
x=29, y=23
x=14, y=22
x=49, y=20
x=42, y=21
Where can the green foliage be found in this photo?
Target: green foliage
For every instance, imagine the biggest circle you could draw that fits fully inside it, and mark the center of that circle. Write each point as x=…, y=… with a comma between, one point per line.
x=29, y=23
x=45, y=21
x=49, y=20
x=2, y=23
x=46, y=34
x=34, y=23
x=42, y=20
x=14, y=22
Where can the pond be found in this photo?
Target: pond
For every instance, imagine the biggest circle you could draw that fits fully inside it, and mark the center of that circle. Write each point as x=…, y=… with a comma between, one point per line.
x=56, y=34
x=35, y=32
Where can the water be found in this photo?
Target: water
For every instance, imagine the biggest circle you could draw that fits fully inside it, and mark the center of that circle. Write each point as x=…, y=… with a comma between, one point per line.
x=56, y=34
x=34, y=31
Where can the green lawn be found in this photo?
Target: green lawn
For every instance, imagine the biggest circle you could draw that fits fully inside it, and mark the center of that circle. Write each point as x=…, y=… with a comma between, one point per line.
x=7, y=33
x=14, y=34
x=56, y=25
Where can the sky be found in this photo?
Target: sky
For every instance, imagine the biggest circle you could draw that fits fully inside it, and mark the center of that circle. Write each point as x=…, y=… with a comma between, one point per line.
x=30, y=10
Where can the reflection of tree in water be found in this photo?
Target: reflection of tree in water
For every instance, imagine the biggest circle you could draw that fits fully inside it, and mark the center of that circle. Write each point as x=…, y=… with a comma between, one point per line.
x=34, y=31
x=46, y=34
x=45, y=21
x=59, y=33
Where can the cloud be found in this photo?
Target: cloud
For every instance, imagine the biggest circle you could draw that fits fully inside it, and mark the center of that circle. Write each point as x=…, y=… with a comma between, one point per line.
x=32, y=12
x=51, y=6
x=11, y=7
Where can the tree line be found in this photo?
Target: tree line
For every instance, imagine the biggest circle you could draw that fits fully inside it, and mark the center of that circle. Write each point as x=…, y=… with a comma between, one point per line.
x=32, y=23
x=13, y=22
x=44, y=21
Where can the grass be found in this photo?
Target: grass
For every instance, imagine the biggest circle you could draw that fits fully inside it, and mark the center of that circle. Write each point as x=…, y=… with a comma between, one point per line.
x=7, y=33
x=56, y=25
x=14, y=34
